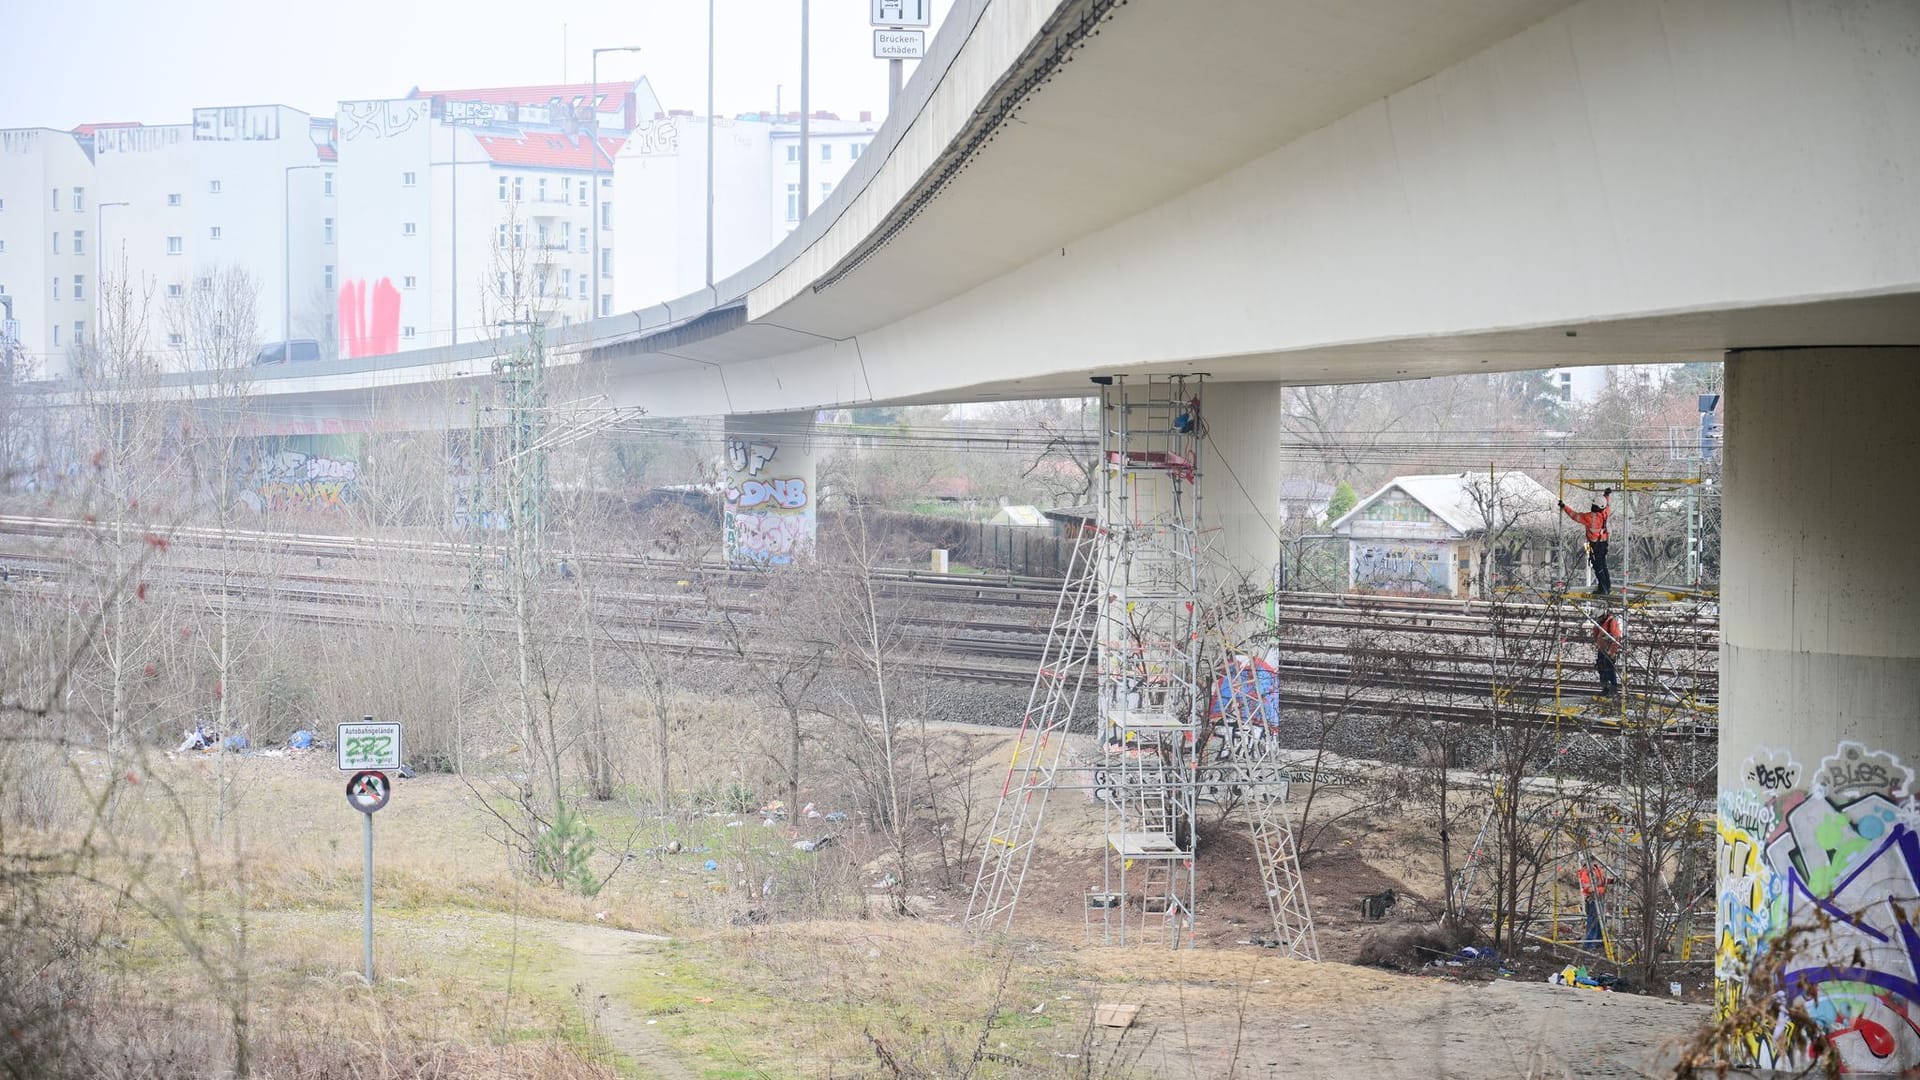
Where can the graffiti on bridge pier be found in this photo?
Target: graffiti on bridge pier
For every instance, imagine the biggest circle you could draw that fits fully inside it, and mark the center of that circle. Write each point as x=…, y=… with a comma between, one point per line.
x=1839, y=858
x=769, y=519
x=290, y=480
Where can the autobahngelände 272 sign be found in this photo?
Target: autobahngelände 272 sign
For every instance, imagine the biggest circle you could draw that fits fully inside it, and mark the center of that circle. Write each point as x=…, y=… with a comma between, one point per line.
x=369, y=745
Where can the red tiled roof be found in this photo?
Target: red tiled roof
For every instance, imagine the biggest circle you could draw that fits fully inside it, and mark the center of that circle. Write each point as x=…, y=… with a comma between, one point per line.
x=327, y=153
x=612, y=94
x=549, y=151
x=88, y=129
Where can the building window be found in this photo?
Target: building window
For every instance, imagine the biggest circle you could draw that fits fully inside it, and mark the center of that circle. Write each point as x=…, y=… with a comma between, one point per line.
x=584, y=246
x=213, y=233
x=517, y=192
x=79, y=198
x=56, y=243
x=56, y=198
x=793, y=202
x=606, y=181
x=79, y=286
x=606, y=304
x=566, y=282
x=542, y=190
x=519, y=235
x=407, y=332
x=606, y=214
x=205, y=282
x=407, y=229
x=56, y=335
x=584, y=290
x=503, y=189
x=793, y=151
x=326, y=276
x=79, y=332
x=406, y=179
x=326, y=230
x=409, y=281
x=176, y=340
x=3, y=204
x=826, y=151
x=854, y=150
x=56, y=288
x=173, y=198
x=545, y=236
x=326, y=183
x=174, y=290
x=583, y=193
x=3, y=247
x=213, y=187
x=500, y=236
x=501, y=283
x=606, y=262
x=173, y=245
x=79, y=241
x=826, y=189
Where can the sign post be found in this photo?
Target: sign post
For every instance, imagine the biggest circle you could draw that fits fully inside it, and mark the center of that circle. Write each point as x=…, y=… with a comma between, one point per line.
x=893, y=40
x=368, y=748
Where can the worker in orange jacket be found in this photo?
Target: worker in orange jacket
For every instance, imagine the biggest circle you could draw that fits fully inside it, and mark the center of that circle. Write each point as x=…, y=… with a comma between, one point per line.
x=1594, y=521
x=1608, y=634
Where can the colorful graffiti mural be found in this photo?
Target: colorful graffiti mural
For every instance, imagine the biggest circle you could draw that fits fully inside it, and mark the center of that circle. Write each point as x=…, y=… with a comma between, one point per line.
x=769, y=519
x=294, y=481
x=1833, y=851
x=369, y=318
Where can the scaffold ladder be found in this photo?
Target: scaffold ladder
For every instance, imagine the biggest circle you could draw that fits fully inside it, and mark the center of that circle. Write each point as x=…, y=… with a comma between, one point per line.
x=1279, y=860
x=1031, y=775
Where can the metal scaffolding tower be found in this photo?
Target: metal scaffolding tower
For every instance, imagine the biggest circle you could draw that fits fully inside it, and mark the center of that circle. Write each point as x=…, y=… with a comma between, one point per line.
x=1130, y=615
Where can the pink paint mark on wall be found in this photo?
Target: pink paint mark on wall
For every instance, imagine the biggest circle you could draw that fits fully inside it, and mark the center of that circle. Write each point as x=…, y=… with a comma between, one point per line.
x=369, y=318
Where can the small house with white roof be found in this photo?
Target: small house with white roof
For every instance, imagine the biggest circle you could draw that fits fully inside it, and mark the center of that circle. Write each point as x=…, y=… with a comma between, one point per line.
x=1429, y=535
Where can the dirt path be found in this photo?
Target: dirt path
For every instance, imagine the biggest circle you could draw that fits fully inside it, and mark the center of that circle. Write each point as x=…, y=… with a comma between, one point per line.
x=597, y=959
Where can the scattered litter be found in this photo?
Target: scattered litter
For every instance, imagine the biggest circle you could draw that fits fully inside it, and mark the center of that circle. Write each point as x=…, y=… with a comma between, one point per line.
x=711, y=866
x=653, y=1021
x=600, y=916
x=199, y=737
x=774, y=809
x=405, y=773
x=301, y=740
x=1116, y=1016
x=703, y=1000
x=235, y=743
x=1578, y=976
x=1674, y=988
x=1037, y=1009
x=836, y=815
x=1300, y=1027
x=673, y=847
x=814, y=845
x=809, y=812
x=735, y=824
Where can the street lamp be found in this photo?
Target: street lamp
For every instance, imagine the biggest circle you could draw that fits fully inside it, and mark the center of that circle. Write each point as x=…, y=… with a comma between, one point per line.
x=99, y=269
x=593, y=112
x=286, y=258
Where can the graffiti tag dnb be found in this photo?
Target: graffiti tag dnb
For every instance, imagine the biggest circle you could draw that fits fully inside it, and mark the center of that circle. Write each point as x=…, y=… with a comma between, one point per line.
x=290, y=480
x=1840, y=855
x=769, y=520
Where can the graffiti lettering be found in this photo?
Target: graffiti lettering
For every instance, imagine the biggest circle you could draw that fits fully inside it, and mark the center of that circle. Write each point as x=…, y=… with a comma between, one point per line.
x=748, y=457
x=1842, y=861
x=290, y=480
x=380, y=119
x=250, y=123
x=786, y=494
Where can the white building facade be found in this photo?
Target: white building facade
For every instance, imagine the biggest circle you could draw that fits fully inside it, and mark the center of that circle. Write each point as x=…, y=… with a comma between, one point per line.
x=162, y=208
x=661, y=183
x=459, y=208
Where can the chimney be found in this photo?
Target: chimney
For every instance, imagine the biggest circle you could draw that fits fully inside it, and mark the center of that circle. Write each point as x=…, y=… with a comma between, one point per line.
x=866, y=117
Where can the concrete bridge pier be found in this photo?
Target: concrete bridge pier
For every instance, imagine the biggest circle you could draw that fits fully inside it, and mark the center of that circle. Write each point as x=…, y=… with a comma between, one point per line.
x=767, y=467
x=1241, y=467
x=1820, y=692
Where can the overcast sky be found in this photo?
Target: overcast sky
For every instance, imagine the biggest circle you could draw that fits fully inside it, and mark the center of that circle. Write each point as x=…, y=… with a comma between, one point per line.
x=88, y=61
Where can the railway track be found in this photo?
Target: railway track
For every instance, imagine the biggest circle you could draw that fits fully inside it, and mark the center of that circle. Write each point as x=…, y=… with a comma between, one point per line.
x=996, y=643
